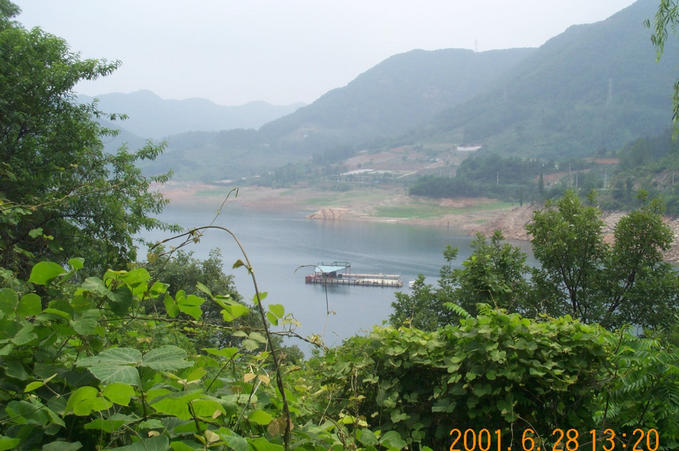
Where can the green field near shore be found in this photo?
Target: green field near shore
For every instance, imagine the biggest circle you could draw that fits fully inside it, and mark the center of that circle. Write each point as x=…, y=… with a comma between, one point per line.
x=433, y=210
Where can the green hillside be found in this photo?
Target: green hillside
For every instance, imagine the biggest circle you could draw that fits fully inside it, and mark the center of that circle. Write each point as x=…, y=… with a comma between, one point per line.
x=398, y=94
x=593, y=87
x=590, y=89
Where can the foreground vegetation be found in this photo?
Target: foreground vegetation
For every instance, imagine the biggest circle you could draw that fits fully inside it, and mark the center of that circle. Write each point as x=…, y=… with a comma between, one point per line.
x=100, y=351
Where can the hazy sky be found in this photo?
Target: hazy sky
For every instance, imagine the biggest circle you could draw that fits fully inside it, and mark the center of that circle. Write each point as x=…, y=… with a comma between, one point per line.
x=284, y=51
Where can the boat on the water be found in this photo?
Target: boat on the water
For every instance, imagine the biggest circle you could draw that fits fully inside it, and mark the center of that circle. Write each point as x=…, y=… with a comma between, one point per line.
x=339, y=273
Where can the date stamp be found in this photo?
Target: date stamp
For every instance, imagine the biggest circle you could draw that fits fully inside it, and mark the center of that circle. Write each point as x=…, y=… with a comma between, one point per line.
x=560, y=440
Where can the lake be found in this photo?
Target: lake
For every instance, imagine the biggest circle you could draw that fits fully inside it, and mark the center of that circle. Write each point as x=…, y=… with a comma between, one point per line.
x=279, y=242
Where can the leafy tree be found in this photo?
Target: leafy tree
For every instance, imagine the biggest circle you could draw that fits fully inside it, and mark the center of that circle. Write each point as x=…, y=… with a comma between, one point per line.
x=667, y=16
x=503, y=371
x=422, y=309
x=59, y=192
x=581, y=275
x=494, y=274
x=568, y=242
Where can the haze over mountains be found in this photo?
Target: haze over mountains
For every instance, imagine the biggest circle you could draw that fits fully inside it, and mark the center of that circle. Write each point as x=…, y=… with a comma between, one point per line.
x=153, y=117
x=592, y=87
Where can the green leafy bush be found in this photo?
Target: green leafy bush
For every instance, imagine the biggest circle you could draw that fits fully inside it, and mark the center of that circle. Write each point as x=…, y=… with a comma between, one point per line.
x=502, y=371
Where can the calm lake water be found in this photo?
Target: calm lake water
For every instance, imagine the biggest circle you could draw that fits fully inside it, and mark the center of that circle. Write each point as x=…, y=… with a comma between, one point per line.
x=277, y=243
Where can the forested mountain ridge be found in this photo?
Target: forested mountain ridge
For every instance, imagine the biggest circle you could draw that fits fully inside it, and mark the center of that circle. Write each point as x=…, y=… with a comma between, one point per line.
x=593, y=87
x=150, y=116
x=398, y=94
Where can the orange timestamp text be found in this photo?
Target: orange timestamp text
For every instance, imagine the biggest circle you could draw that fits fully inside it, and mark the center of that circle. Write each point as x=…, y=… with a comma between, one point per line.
x=560, y=440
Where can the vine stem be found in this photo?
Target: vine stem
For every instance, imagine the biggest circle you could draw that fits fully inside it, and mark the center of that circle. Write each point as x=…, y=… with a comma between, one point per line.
x=260, y=308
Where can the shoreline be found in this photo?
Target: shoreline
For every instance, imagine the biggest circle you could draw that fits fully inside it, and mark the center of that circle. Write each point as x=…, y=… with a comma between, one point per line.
x=385, y=205
x=390, y=205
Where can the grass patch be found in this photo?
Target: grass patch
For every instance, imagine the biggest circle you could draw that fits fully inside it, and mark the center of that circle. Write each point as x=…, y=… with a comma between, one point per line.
x=429, y=211
x=495, y=205
x=419, y=211
x=346, y=198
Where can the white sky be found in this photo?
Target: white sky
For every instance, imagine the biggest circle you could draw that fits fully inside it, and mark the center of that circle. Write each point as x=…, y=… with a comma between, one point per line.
x=285, y=51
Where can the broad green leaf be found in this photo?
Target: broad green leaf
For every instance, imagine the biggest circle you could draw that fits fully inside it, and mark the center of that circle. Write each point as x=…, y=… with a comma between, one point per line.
x=166, y=358
x=113, y=365
x=43, y=272
x=158, y=288
x=95, y=285
x=238, y=263
x=236, y=442
x=181, y=446
x=171, y=306
x=277, y=309
x=273, y=319
x=137, y=276
x=397, y=416
x=262, y=296
x=189, y=304
x=16, y=369
x=109, y=425
x=207, y=408
x=29, y=305
x=160, y=443
x=116, y=374
x=392, y=439
x=235, y=309
x=367, y=437
x=60, y=445
x=56, y=312
x=85, y=400
x=87, y=323
x=33, y=386
x=482, y=389
x=202, y=287
x=76, y=263
x=250, y=345
x=260, y=417
x=119, y=393
x=154, y=393
x=257, y=337
x=113, y=356
x=176, y=404
x=34, y=233
x=193, y=312
x=151, y=424
x=25, y=335
x=262, y=444
x=8, y=301
x=121, y=300
x=227, y=353
x=8, y=442
x=24, y=412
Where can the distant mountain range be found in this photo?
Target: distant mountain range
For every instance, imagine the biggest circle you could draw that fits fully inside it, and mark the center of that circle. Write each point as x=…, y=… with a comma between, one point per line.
x=150, y=116
x=399, y=94
x=592, y=87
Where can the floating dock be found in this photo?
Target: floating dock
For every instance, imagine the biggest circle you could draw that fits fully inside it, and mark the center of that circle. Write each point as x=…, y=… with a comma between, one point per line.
x=338, y=273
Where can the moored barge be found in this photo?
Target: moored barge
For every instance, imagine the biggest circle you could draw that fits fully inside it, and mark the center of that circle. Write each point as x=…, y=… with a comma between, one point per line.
x=339, y=273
